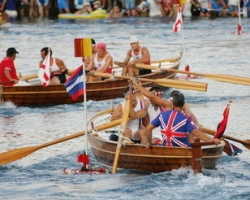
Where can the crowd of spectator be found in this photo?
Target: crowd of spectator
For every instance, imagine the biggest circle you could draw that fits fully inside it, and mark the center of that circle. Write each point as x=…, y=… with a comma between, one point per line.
x=120, y=8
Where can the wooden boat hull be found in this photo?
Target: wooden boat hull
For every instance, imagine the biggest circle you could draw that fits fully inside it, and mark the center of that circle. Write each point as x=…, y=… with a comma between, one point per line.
x=138, y=157
x=155, y=159
x=36, y=95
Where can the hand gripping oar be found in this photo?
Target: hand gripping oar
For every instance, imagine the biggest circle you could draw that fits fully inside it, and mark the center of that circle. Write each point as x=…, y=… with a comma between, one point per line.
x=124, y=121
x=16, y=154
x=217, y=77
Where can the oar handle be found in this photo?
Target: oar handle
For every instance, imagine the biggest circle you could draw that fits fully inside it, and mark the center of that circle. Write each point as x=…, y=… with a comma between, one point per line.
x=33, y=76
x=182, y=84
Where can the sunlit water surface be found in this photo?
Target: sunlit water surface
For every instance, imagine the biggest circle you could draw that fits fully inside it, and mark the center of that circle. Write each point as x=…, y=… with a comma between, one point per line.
x=210, y=46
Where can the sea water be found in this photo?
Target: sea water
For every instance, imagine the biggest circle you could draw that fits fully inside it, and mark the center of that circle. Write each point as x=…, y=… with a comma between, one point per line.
x=209, y=46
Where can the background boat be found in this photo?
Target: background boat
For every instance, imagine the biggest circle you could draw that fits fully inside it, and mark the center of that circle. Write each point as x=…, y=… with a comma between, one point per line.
x=98, y=14
x=36, y=95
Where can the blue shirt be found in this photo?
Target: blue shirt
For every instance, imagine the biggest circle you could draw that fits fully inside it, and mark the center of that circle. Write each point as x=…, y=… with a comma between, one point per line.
x=174, y=128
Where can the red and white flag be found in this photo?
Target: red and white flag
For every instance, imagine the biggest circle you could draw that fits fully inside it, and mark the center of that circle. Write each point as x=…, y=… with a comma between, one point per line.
x=44, y=71
x=178, y=22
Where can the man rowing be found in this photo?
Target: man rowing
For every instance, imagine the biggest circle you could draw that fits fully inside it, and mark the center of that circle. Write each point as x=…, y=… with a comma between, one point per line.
x=58, y=70
x=101, y=61
x=139, y=54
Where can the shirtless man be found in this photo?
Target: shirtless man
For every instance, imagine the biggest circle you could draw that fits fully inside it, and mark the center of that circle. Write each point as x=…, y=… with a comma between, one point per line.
x=139, y=54
x=58, y=70
x=101, y=61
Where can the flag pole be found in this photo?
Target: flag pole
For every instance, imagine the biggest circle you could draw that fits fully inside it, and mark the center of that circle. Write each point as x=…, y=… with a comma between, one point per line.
x=85, y=107
x=239, y=28
x=182, y=35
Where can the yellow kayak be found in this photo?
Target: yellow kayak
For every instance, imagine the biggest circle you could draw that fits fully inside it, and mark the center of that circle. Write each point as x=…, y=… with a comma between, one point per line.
x=97, y=14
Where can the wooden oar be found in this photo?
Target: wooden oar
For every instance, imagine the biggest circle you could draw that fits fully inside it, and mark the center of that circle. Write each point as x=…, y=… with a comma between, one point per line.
x=182, y=84
x=16, y=154
x=246, y=143
x=124, y=121
x=33, y=76
x=121, y=64
x=217, y=77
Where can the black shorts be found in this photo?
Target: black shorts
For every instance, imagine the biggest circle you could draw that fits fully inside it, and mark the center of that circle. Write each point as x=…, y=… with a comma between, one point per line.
x=144, y=71
x=61, y=77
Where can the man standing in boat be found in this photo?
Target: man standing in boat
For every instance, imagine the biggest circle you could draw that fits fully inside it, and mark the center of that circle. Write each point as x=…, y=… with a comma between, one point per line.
x=101, y=61
x=58, y=70
x=139, y=54
x=175, y=126
x=8, y=74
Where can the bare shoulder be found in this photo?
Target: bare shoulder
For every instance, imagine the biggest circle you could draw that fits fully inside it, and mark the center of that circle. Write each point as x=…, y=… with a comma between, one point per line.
x=129, y=52
x=144, y=49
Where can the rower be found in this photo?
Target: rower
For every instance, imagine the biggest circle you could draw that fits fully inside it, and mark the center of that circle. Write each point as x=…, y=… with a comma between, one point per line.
x=139, y=54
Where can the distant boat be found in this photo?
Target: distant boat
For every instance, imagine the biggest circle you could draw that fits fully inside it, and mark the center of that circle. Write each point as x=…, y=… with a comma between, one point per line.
x=36, y=95
x=97, y=14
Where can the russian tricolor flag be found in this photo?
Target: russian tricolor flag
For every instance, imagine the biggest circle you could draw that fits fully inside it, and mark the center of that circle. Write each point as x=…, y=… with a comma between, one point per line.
x=75, y=84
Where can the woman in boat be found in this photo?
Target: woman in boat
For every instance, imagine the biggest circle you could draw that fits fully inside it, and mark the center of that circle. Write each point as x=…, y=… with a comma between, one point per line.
x=139, y=54
x=58, y=70
x=175, y=126
x=8, y=74
x=101, y=61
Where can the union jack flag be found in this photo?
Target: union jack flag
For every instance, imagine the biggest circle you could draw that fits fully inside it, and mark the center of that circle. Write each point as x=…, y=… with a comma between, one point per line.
x=172, y=135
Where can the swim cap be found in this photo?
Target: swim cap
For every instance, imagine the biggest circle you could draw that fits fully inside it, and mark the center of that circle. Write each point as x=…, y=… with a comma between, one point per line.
x=101, y=46
x=133, y=39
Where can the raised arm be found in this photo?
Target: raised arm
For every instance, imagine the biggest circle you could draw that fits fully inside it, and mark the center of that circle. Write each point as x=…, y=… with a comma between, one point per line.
x=153, y=98
x=190, y=114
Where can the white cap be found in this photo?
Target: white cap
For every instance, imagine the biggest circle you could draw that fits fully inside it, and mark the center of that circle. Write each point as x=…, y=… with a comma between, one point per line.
x=86, y=4
x=133, y=39
x=97, y=2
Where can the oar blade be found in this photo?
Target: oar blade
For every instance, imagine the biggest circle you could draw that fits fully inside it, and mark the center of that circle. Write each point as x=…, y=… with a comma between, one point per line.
x=182, y=84
x=229, y=79
x=16, y=154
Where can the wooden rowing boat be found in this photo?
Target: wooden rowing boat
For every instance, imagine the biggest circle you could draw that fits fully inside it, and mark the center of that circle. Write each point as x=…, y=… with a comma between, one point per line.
x=155, y=159
x=36, y=95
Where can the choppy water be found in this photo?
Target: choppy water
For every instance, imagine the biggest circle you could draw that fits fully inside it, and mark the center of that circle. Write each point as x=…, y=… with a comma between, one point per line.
x=211, y=46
